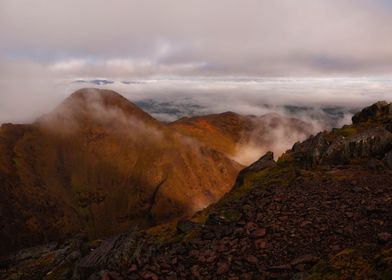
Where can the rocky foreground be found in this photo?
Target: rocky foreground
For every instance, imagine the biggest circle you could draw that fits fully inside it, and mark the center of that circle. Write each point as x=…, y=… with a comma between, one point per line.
x=322, y=211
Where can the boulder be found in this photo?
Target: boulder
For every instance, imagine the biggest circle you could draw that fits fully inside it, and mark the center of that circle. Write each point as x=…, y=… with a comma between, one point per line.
x=310, y=152
x=186, y=226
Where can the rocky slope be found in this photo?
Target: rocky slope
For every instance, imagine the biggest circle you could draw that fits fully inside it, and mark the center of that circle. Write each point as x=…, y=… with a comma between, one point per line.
x=322, y=211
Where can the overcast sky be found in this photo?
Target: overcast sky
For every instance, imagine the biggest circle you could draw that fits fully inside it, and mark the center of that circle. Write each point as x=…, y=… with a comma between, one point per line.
x=44, y=42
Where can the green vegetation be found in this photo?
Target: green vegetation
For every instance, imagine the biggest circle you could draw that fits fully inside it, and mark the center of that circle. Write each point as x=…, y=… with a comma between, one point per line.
x=346, y=131
x=33, y=269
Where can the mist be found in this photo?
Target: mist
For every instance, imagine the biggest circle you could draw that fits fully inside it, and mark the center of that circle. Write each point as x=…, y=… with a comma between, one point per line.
x=328, y=100
x=274, y=133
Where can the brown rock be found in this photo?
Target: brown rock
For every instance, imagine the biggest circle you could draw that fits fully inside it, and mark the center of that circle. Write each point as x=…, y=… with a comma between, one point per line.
x=252, y=259
x=261, y=244
x=149, y=275
x=258, y=233
x=133, y=268
x=280, y=267
x=105, y=276
x=195, y=271
x=115, y=276
x=349, y=214
x=283, y=218
x=250, y=226
x=304, y=259
x=222, y=268
x=185, y=226
x=384, y=236
x=305, y=223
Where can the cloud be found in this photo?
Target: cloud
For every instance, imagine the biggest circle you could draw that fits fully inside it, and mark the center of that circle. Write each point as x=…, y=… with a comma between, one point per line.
x=222, y=37
x=72, y=64
x=326, y=100
x=273, y=133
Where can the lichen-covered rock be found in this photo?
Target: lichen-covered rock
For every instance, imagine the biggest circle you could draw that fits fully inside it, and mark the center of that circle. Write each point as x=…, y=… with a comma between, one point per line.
x=341, y=146
x=50, y=262
x=264, y=162
x=119, y=249
x=310, y=152
x=363, y=262
x=185, y=226
x=370, y=143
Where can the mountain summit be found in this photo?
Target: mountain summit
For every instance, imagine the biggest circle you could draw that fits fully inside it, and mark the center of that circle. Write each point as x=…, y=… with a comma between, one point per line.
x=89, y=98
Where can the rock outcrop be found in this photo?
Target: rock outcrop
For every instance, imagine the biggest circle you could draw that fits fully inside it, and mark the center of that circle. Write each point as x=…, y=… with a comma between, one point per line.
x=264, y=162
x=368, y=137
x=377, y=110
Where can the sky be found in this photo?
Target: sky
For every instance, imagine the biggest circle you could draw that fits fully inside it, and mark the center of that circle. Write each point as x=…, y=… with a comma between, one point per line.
x=235, y=52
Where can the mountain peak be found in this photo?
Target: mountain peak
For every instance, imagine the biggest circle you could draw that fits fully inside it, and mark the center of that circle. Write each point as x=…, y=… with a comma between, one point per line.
x=104, y=94
x=104, y=97
x=87, y=102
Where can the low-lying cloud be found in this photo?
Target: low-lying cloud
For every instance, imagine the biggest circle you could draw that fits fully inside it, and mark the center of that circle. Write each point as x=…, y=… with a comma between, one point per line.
x=330, y=101
x=273, y=133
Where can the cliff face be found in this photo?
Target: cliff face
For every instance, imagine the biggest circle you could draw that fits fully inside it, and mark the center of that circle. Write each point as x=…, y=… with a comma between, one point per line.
x=322, y=211
x=98, y=164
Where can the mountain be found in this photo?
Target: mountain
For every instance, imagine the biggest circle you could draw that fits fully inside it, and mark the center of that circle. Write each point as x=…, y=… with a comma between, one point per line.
x=98, y=164
x=321, y=211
